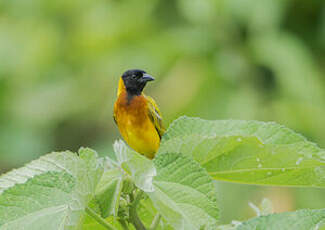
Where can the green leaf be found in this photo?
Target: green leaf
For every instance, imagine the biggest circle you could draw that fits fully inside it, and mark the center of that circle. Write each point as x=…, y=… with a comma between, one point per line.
x=250, y=152
x=138, y=167
x=299, y=220
x=184, y=193
x=147, y=213
x=44, y=199
x=231, y=226
x=52, y=191
x=108, y=192
x=90, y=223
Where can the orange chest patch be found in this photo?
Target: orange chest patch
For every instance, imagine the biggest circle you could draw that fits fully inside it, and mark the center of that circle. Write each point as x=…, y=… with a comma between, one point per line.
x=133, y=110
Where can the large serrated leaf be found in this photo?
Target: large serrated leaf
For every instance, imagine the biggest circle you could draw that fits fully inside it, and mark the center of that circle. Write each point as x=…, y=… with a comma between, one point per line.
x=52, y=191
x=184, y=193
x=299, y=220
x=248, y=151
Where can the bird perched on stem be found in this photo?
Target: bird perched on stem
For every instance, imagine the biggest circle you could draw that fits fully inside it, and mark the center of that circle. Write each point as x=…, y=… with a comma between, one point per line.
x=137, y=115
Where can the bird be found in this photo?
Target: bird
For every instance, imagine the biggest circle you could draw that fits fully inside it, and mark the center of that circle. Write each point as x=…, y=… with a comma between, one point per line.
x=137, y=115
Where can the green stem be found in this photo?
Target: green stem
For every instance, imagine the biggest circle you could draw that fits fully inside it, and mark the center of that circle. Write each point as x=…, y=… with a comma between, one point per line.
x=123, y=224
x=155, y=222
x=99, y=219
x=134, y=219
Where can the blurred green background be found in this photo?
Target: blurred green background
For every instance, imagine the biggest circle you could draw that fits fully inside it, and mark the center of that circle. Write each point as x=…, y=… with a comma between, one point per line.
x=60, y=62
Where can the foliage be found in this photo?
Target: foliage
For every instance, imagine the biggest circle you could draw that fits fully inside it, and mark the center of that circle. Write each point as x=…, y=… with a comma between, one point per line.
x=184, y=193
x=217, y=59
x=174, y=191
x=248, y=151
x=299, y=220
x=52, y=191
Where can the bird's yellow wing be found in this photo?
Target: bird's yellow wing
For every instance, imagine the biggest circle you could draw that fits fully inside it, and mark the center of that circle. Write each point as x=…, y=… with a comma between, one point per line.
x=155, y=115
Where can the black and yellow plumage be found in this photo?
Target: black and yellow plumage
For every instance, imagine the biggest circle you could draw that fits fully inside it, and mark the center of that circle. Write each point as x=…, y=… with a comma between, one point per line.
x=137, y=115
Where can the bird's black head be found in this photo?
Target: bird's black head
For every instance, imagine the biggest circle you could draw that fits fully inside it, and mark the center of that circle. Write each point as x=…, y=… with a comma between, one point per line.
x=135, y=80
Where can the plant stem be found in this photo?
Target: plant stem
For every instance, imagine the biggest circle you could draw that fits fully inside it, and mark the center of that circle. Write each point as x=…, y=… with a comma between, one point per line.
x=99, y=219
x=155, y=222
x=133, y=215
x=123, y=224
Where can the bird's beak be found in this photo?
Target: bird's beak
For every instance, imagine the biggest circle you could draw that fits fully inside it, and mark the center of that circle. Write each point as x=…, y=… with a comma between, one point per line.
x=146, y=78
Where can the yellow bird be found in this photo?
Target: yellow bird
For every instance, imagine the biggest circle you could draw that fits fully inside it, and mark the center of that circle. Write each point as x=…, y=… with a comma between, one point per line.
x=137, y=115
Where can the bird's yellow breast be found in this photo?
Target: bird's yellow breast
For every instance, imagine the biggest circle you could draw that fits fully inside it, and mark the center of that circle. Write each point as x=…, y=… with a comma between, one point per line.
x=135, y=125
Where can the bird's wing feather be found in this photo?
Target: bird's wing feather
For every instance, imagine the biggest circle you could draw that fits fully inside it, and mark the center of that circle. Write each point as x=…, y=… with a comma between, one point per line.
x=155, y=115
